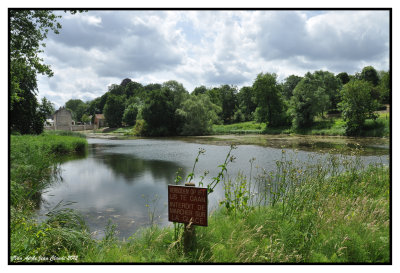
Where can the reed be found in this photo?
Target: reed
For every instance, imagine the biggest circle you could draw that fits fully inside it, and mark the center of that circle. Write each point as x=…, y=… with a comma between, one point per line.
x=33, y=166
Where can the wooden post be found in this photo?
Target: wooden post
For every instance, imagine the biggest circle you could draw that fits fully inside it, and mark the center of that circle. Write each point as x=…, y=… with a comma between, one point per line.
x=189, y=233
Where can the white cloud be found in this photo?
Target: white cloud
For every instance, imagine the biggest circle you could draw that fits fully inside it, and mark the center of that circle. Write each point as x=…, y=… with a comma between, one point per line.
x=208, y=47
x=93, y=20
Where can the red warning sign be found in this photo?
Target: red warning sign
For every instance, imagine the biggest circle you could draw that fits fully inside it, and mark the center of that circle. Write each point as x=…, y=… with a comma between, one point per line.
x=188, y=204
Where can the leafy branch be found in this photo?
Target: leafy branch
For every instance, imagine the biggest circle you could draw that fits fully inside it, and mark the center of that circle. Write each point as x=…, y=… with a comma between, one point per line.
x=220, y=176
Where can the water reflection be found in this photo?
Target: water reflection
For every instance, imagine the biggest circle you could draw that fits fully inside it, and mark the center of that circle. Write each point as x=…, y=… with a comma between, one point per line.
x=131, y=167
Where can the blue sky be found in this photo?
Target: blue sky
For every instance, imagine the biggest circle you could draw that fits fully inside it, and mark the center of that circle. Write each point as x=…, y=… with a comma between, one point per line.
x=207, y=47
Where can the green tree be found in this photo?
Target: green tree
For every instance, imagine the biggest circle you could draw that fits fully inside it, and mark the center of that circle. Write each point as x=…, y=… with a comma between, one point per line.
x=116, y=89
x=85, y=118
x=323, y=101
x=179, y=93
x=384, y=86
x=93, y=107
x=152, y=86
x=133, y=89
x=343, y=77
x=28, y=28
x=357, y=105
x=130, y=114
x=77, y=108
x=238, y=116
x=331, y=86
x=227, y=97
x=73, y=104
x=369, y=74
x=305, y=103
x=125, y=82
x=246, y=101
x=46, y=107
x=82, y=108
x=289, y=85
x=199, y=90
x=269, y=99
x=159, y=114
x=198, y=114
x=114, y=110
x=214, y=96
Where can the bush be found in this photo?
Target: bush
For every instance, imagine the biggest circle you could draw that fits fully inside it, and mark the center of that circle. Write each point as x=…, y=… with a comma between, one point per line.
x=140, y=128
x=130, y=114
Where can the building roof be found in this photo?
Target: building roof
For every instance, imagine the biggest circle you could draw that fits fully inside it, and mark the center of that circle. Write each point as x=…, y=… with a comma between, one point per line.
x=62, y=108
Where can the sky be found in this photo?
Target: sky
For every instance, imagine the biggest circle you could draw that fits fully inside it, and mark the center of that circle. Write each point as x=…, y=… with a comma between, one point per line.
x=206, y=47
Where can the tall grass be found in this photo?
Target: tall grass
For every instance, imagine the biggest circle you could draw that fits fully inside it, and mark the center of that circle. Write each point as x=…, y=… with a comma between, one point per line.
x=249, y=127
x=332, y=211
x=33, y=163
x=64, y=133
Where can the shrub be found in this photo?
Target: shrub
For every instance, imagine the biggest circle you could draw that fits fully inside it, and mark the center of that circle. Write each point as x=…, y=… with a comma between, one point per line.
x=140, y=128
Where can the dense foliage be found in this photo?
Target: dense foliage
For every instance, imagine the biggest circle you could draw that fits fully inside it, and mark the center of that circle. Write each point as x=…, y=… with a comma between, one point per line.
x=169, y=109
x=28, y=29
x=269, y=99
x=357, y=105
x=114, y=110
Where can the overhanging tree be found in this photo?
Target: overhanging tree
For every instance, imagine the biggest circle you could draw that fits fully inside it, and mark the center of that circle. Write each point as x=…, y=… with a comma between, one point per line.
x=28, y=29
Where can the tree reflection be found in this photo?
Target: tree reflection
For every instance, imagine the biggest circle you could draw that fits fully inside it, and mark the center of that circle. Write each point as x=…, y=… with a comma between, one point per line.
x=130, y=167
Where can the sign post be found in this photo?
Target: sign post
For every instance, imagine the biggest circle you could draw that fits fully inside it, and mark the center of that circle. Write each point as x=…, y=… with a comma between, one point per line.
x=189, y=205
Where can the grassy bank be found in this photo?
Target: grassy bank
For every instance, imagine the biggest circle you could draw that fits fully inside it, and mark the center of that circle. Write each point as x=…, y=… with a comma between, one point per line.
x=325, y=127
x=32, y=164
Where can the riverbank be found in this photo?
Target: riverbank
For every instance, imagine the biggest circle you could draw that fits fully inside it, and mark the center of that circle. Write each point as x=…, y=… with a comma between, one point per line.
x=33, y=163
x=341, y=219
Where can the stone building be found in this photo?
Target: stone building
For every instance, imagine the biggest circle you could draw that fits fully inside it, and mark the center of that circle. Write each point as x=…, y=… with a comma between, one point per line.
x=99, y=121
x=62, y=119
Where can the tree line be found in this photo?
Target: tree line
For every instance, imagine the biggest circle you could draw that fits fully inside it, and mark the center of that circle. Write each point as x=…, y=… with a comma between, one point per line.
x=169, y=109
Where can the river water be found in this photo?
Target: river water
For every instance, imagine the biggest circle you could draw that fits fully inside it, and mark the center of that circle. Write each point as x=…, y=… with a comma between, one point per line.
x=125, y=181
